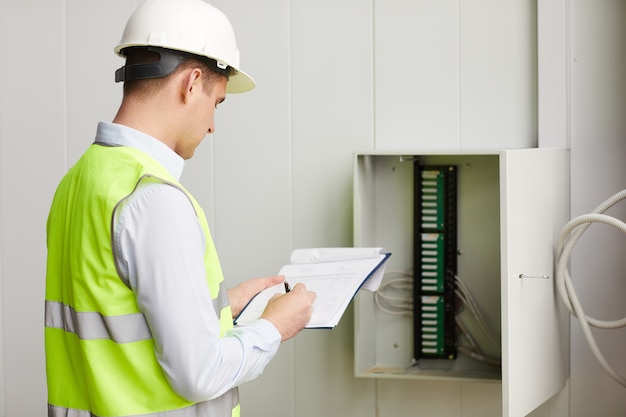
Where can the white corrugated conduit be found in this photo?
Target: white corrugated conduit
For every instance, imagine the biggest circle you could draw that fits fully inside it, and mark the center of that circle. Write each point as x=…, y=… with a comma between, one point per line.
x=568, y=237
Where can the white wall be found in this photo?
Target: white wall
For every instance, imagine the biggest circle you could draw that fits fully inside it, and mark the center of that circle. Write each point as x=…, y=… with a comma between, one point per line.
x=333, y=77
x=32, y=156
x=598, y=143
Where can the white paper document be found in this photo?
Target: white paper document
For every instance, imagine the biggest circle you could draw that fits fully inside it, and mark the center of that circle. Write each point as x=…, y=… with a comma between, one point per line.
x=334, y=274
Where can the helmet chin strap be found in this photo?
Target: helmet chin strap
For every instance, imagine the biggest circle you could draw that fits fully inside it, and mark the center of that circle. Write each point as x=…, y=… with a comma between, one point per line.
x=169, y=60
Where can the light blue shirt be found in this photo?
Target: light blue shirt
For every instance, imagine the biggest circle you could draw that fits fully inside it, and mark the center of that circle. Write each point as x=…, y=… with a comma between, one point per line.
x=159, y=247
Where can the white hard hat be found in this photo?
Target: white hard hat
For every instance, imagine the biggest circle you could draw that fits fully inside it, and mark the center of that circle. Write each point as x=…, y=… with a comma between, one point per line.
x=190, y=26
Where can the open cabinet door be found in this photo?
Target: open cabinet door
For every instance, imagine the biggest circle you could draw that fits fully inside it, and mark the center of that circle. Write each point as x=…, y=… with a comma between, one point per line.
x=535, y=325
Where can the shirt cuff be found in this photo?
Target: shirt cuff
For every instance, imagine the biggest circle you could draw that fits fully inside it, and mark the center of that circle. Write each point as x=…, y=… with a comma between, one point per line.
x=260, y=341
x=261, y=334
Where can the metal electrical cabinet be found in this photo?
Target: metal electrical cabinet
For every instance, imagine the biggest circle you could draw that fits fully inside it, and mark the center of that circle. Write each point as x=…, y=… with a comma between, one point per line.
x=511, y=205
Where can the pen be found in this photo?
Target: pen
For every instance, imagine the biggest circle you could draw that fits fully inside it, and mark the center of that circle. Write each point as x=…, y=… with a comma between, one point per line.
x=287, y=287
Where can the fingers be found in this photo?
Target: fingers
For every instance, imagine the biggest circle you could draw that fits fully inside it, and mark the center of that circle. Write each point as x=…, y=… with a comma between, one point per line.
x=240, y=295
x=290, y=312
x=277, y=279
x=270, y=281
x=310, y=294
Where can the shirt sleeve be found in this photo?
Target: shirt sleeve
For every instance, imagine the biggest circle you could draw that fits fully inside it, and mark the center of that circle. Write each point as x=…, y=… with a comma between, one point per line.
x=159, y=247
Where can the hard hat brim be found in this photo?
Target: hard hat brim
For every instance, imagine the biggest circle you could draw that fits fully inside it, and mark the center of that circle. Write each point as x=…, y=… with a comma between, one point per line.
x=239, y=82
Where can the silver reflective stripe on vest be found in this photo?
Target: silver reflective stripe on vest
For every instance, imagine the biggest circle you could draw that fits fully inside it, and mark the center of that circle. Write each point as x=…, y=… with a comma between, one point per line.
x=120, y=329
x=219, y=407
x=91, y=325
x=221, y=301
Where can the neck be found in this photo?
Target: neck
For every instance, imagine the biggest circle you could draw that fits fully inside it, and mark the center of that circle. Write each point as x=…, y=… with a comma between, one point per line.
x=147, y=116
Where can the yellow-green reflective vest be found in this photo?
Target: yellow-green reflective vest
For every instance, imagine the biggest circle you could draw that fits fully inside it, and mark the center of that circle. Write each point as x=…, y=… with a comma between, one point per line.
x=100, y=358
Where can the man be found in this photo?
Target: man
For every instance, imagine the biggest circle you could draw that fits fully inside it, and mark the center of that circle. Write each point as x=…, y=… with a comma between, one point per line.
x=138, y=321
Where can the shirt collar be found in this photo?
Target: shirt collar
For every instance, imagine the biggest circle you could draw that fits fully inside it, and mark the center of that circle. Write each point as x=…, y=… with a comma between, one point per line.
x=112, y=134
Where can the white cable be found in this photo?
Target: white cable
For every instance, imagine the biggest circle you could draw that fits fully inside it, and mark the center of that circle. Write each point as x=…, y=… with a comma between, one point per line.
x=564, y=247
x=469, y=301
x=398, y=305
x=478, y=356
x=395, y=305
x=468, y=335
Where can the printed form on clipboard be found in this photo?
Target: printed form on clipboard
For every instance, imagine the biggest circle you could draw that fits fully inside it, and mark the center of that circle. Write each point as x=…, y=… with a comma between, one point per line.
x=334, y=274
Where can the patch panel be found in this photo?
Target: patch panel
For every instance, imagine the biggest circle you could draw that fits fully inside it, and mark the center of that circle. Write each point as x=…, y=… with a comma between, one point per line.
x=435, y=261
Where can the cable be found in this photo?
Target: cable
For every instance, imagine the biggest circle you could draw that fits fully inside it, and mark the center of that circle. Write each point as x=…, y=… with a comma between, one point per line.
x=468, y=300
x=479, y=357
x=474, y=351
x=576, y=227
x=392, y=304
x=395, y=297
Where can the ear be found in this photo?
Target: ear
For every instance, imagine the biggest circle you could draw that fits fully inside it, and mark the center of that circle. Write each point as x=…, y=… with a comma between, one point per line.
x=191, y=83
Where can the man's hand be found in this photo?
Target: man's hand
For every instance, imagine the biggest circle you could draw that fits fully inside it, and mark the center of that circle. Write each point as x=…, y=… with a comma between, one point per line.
x=240, y=295
x=290, y=312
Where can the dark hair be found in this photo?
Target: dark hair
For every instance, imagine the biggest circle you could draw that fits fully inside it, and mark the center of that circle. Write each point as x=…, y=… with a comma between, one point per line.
x=149, y=86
